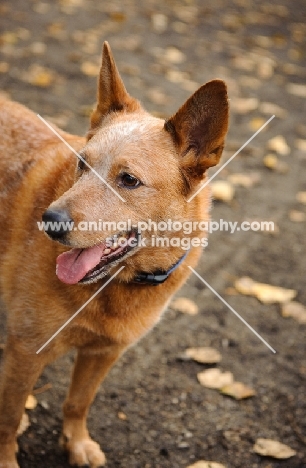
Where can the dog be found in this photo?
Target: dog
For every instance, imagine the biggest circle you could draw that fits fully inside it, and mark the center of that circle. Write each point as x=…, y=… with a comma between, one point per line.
x=132, y=167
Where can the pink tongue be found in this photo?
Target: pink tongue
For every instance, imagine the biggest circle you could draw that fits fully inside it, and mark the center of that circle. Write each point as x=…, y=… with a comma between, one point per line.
x=73, y=265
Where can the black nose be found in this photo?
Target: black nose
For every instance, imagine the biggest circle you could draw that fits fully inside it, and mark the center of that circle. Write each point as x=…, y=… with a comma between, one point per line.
x=57, y=223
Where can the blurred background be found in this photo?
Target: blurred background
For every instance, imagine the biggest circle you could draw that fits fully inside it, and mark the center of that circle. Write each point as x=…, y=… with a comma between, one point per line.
x=152, y=411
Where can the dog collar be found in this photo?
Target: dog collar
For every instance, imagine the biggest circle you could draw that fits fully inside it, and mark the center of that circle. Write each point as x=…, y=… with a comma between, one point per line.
x=159, y=276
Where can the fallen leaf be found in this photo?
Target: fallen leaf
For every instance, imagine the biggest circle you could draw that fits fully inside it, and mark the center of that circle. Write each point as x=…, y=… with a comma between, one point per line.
x=184, y=305
x=122, y=416
x=159, y=22
x=222, y=190
x=244, y=106
x=215, y=378
x=238, y=390
x=4, y=67
x=301, y=197
x=90, y=68
x=272, y=162
x=295, y=310
x=39, y=76
x=264, y=292
x=270, y=108
x=297, y=216
x=296, y=89
x=157, y=96
x=205, y=355
x=206, y=464
x=273, y=448
x=24, y=424
x=174, y=55
x=244, y=180
x=256, y=123
x=300, y=144
x=31, y=402
x=279, y=145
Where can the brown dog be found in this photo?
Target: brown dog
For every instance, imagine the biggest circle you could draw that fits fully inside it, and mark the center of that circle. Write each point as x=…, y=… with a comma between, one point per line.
x=150, y=168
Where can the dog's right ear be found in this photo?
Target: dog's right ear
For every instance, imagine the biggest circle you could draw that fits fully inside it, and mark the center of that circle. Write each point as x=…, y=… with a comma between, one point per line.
x=112, y=95
x=199, y=128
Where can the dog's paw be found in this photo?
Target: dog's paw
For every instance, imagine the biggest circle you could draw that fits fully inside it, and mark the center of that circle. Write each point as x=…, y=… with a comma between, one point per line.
x=85, y=452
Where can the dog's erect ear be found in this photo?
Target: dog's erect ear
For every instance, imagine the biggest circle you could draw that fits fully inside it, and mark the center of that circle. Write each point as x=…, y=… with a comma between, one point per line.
x=112, y=95
x=199, y=128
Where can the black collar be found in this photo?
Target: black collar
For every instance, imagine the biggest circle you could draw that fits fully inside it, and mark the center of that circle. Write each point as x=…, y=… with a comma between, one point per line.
x=159, y=276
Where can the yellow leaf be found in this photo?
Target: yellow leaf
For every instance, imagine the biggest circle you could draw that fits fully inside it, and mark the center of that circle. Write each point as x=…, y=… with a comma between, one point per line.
x=264, y=292
x=273, y=448
x=205, y=355
x=238, y=390
x=295, y=310
x=222, y=190
x=214, y=378
x=184, y=305
x=31, y=402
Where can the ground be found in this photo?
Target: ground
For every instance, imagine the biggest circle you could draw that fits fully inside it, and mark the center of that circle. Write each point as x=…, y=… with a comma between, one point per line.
x=151, y=412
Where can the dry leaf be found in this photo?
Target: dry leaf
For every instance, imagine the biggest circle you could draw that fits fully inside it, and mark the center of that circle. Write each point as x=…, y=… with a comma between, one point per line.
x=273, y=448
x=156, y=96
x=31, y=402
x=90, y=68
x=296, y=89
x=269, y=108
x=206, y=464
x=264, y=292
x=238, y=390
x=39, y=76
x=244, y=180
x=297, y=216
x=122, y=416
x=222, y=190
x=159, y=22
x=184, y=305
x=256, y=123
x=279, y=145
x=295, y=310
x=4, y=67
x=204, y=355
x=174, y=55
x=244, y=106
x=301, y=197
x=214, y=378
x=24, y=424
x=272, y=162
x=300, y=144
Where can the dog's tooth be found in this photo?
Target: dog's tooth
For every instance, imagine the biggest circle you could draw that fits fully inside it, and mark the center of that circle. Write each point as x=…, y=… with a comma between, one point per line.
x=107, y=251
x=114, y=246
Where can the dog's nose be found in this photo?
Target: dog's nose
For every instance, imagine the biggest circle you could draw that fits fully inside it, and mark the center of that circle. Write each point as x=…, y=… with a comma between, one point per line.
x=57, y=223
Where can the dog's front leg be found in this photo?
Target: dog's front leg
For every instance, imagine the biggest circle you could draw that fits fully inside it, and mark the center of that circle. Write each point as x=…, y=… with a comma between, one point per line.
x=19, y=372
x=89, y=371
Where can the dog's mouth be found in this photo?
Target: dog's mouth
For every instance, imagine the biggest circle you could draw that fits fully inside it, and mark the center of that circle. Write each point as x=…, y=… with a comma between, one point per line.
x=90, y=264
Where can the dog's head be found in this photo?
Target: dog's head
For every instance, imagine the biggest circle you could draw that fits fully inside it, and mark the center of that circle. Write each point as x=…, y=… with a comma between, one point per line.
x=136, y=169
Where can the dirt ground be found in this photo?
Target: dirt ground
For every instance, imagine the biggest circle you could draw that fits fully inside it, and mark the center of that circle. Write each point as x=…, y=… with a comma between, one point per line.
x=151, y=412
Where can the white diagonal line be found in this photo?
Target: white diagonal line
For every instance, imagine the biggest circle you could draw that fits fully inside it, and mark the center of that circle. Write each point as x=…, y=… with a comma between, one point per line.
x=80, y=157
x=230, y=159
x=79, y=310
x=233, y=310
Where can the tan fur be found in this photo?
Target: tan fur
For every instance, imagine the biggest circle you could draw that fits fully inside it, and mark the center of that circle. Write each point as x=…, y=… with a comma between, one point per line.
x=38, y=171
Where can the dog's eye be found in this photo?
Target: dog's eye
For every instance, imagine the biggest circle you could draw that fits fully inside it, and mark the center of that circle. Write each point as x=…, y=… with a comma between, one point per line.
x=81, y=164
x=128, y=181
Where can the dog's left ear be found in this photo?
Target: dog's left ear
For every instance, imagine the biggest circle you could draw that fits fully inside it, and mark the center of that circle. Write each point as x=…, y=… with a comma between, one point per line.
x=112, y=95
x=199, y=128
